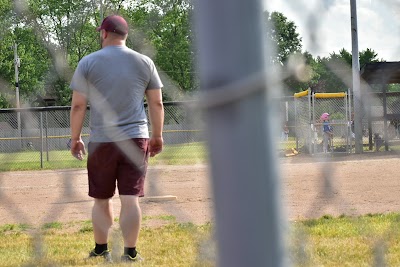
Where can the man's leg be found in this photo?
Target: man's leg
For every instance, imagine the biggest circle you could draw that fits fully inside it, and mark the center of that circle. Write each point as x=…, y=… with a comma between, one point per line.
x=130, y=219
x=102, y=219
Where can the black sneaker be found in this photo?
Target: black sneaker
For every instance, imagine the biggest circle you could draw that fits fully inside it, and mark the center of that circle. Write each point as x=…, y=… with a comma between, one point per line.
x=106, y=254
x=128, y=258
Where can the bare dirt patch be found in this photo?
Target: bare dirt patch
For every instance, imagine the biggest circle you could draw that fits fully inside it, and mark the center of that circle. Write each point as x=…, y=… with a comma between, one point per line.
x=312, y=187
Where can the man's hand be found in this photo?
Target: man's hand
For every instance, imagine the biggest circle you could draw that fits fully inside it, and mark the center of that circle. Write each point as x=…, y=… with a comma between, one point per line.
x=78, y=148
x=155, y=145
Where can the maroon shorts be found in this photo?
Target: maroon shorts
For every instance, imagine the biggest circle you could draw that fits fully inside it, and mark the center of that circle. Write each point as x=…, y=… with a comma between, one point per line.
x=122, y=164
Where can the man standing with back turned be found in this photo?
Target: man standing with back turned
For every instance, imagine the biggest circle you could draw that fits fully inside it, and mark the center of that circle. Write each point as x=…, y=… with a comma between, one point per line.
x=115, y=80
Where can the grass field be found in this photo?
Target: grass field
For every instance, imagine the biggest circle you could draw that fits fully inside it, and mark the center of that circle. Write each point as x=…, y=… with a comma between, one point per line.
x=69, y=244
x=186, y=154
x=328, y=241
x=369, y=240
x=182, y=154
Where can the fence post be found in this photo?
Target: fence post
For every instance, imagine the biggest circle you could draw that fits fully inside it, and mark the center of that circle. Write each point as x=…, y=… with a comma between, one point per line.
x=41, y=139
x=296, y=124
x=350, y=120
x=313, y=128
x=357, y=97
x=47, y=136
x=239, y=133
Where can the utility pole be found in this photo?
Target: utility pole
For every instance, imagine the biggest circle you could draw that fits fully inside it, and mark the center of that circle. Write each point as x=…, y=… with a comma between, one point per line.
x=356, y=80
x=17, y=64
x=101, y=11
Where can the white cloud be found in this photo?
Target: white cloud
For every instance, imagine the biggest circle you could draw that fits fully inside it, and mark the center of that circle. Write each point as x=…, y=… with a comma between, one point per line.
x=328, y=24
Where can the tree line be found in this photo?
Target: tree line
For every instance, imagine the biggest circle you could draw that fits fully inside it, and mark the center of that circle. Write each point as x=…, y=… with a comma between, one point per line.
x=53, y=35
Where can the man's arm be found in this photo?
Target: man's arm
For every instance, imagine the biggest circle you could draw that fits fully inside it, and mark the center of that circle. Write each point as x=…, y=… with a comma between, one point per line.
x=78, y=110
x=156, y=114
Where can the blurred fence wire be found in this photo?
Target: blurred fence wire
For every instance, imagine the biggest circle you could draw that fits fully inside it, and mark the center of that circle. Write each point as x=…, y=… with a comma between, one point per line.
x=38, y=137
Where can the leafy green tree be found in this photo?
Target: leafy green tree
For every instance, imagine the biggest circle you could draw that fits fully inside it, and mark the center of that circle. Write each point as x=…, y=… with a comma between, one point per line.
x=53, y=35
x=14, y=30
x=365, y=56
x=330, y=69
x=68, y=30
x=166, y=26
x=7, y=92
x=328, y=72
x=282, y=33
x=305, y=74
x=368, y=56
x=32, y=71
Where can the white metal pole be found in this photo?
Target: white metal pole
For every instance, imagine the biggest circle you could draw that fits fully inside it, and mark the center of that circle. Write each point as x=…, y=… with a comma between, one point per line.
x=356, y=80
x=313, y=127
x=16, y=68
x=239, y=133
x=350, y=142
x=101, y=11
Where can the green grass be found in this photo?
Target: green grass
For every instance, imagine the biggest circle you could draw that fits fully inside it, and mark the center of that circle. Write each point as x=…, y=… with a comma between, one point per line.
x=53, y=225
x=171, y=245
x=7, y=228
x=167, y=218
x=346, y=241
x=328, y=241
x=183, y=154
x=187, y=154
x=30, y=160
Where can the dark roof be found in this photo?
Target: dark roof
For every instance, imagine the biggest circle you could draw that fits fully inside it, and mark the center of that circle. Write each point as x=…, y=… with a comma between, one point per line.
x=381, y=72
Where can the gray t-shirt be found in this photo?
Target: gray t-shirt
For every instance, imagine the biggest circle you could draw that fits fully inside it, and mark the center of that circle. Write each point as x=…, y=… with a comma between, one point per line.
x=114, y=80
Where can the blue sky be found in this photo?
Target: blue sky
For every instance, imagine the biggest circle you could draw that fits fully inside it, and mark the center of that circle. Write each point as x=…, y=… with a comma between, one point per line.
x=328, y=23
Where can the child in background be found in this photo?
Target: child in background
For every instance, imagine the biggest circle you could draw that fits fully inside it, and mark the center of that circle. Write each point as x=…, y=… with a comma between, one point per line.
x=285, y=133
x=327, y=132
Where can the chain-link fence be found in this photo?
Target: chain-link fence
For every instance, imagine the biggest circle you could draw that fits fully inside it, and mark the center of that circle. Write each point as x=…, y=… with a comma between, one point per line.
x=380, y=121
x=39, y=137
x=288, y=138
x=309, y=127
x=303, y=118
x=36, y=138
x=337, y=106
x=375, y=123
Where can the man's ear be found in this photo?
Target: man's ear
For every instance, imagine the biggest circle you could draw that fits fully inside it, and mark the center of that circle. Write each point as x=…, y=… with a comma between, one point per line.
x=104, y=34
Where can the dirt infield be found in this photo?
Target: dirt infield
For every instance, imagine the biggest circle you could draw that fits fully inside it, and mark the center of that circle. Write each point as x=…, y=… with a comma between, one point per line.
x=311, y=188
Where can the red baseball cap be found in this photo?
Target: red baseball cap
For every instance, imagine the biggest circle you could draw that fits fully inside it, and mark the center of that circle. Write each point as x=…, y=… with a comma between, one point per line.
x=115, y=24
